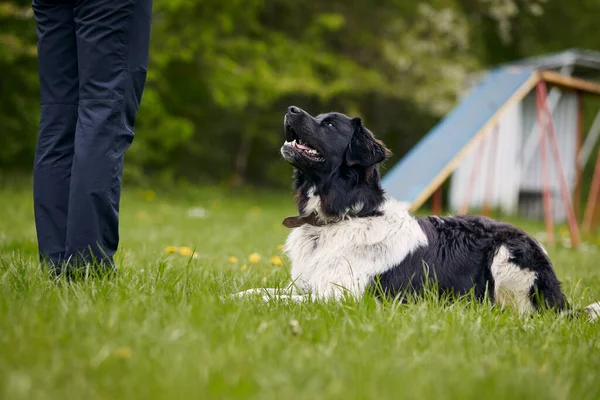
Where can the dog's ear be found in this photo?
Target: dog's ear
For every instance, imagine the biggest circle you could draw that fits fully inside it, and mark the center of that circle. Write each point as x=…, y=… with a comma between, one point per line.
x=364, y=149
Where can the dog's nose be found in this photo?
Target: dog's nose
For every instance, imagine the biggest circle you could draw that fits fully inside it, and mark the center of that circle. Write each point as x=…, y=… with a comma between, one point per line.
x=293, y=110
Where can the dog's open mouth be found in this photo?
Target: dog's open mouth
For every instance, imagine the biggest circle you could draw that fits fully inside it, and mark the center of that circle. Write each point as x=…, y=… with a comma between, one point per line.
x=295, y=142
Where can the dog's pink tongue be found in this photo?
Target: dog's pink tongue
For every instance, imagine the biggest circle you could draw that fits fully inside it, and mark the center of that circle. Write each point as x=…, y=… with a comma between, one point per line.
x=303, y=147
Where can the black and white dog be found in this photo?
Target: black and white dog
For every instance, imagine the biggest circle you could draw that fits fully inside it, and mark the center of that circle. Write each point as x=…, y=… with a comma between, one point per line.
x=349, y=237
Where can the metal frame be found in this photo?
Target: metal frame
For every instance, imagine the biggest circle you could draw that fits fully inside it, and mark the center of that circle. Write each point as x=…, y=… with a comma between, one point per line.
x=530, y=146
x=546, y=122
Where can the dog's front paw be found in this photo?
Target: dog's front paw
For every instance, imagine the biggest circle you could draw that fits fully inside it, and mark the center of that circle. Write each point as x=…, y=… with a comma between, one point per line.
x=245, y=293
x=272, y=294
x=264, y=293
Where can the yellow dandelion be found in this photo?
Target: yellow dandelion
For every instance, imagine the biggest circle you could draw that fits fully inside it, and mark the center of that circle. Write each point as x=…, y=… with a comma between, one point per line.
x=123, y=352
x=254, y=258
x=264, y=279
x=171, y=249
x=233, y=259
x=276, y=260
x=185, y=251
x=244, y=267
x=149, y=195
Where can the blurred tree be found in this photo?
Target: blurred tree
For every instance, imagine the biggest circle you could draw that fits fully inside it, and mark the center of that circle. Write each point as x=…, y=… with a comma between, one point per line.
x=223, y=72
x=241, y=60
x=18, y=85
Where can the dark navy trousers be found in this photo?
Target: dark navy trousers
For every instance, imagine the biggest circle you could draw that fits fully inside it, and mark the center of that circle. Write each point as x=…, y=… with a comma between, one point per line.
x=93, y=57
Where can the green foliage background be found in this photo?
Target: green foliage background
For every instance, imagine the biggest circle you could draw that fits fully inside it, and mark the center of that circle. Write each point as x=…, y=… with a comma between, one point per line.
x=222, y=73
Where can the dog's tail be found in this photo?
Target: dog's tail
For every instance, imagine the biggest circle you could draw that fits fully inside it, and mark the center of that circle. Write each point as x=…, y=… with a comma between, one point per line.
x=590, y=312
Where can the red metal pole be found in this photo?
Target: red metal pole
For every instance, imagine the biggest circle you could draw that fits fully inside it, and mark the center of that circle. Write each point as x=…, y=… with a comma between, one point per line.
x=592, y=198
x=490, y=172
x=474, y=169
x=437, y=201
x=564, y=188
x=545, y=178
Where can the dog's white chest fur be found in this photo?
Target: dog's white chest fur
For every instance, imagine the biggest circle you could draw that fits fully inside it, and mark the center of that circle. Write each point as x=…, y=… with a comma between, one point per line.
x=329, y=260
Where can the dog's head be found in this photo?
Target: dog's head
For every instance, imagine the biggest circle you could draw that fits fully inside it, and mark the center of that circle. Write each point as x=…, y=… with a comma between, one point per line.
x=322, y=144
x=336, y=159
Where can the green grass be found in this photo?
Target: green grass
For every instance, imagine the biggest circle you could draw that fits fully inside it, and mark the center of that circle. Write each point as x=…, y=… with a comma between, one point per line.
x=159, y=330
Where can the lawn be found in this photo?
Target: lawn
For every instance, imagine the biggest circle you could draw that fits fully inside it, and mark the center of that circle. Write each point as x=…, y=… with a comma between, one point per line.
x=159, y=331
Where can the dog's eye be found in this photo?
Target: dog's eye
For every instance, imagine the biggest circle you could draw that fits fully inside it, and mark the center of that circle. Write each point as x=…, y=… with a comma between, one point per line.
x=327, y=123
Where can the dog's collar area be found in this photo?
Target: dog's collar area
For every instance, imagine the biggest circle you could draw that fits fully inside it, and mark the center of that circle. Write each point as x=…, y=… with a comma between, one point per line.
x=298, y=220
x=314, y=220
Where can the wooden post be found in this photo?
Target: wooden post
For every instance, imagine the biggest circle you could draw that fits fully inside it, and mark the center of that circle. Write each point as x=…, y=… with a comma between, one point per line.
x=596, y=218
x=562, y=180
x=592, y=198
x=545, y=177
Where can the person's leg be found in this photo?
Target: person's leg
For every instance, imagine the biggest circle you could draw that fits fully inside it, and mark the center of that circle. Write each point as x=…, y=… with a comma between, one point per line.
x=57, y=65
x=112, y=43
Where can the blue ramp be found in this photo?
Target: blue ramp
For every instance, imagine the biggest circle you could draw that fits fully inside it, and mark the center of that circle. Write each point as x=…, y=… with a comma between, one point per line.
x=416, y=176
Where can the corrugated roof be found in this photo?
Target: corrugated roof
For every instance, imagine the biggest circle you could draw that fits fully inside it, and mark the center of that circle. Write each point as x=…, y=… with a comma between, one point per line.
x=578, y=57
x=585, y=63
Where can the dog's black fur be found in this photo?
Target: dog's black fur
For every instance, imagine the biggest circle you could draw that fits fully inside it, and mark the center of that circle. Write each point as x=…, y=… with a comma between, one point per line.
x=344, y=172
x=459, y=257
x=348, y=174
